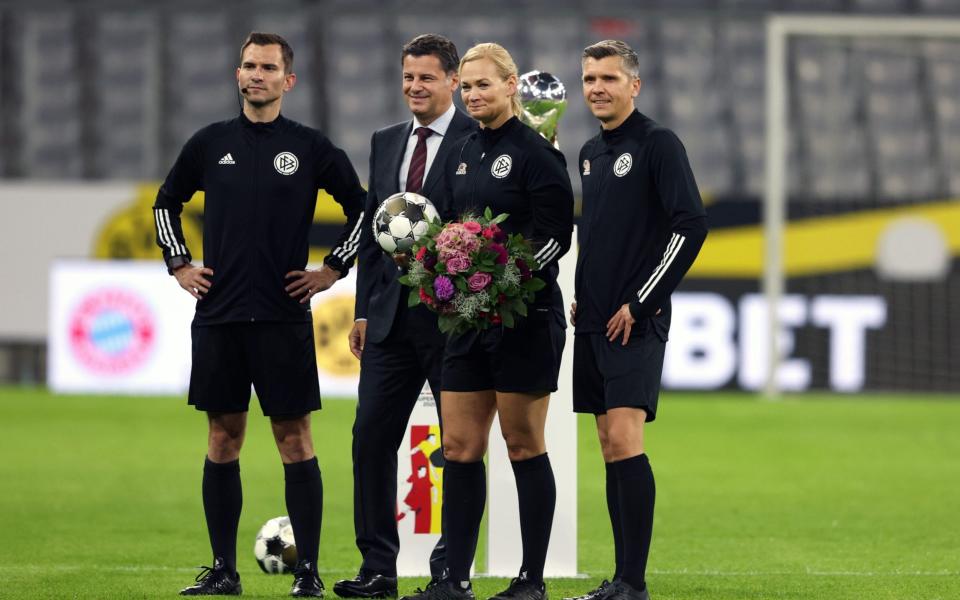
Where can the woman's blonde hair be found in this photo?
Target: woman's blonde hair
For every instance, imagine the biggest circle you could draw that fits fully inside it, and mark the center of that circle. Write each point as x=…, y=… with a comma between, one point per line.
x=503, y=62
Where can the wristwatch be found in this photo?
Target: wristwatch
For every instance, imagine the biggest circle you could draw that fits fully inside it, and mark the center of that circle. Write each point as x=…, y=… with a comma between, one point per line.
x=176, y=262
x=336, y=264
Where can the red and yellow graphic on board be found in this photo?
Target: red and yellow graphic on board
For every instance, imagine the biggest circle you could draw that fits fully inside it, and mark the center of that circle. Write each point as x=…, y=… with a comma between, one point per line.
x=424, y=501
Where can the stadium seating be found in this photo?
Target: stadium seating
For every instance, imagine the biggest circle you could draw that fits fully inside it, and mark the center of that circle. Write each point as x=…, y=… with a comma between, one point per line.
x=109, y=93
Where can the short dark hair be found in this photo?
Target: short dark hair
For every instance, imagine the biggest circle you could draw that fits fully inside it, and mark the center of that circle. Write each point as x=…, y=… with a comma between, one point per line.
x=631, y=63
x=432, y=44
x=267, y=39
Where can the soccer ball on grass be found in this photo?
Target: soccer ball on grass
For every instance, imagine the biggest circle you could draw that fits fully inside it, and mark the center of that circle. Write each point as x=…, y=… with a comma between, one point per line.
x=275, y=548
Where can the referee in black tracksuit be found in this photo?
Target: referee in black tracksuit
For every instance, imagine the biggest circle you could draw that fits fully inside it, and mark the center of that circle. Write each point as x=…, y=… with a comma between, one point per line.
x=508, y=372
x=642, y=227
x=260, y=173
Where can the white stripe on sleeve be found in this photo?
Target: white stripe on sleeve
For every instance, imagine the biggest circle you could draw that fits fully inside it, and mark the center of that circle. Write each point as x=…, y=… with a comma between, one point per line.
x=349, y=247
x=181, y=249
x=673, y=248
x=162, y=232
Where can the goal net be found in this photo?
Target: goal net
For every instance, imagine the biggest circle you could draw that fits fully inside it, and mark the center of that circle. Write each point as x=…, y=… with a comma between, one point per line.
x=862, y=204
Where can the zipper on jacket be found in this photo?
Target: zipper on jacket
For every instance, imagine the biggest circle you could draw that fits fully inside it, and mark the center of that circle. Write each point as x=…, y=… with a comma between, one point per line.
x=253, y=241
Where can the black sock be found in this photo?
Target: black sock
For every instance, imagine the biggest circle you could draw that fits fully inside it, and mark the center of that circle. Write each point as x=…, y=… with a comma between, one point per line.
x=537, y=496
x=464, y=495
x=613, y=507
x=222, y=501
x=637, y=494
x=304, y=494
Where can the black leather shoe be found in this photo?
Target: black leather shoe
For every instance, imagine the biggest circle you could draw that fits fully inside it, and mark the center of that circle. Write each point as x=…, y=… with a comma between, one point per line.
x=594, y=594
x=215, y=581
x=306, y=582
x=522, y=588
x=621, y=590
x=442, y=589
x=367, y=584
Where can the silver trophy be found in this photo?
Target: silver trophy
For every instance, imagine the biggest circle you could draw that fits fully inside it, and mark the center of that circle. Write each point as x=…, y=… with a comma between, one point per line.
x=544, y=100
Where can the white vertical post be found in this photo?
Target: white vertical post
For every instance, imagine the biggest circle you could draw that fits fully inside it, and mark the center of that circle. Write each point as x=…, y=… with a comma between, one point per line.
x=775, y=188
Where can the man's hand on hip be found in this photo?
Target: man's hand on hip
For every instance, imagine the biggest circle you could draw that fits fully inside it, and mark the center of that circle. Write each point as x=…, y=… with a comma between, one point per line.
x=192, y=279
x=307, y=284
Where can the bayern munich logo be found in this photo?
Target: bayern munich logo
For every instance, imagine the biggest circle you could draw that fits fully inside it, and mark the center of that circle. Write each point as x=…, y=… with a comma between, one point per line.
x=112, y=331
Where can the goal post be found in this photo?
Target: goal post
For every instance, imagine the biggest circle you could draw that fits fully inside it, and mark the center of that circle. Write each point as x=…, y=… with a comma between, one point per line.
x=780, y=29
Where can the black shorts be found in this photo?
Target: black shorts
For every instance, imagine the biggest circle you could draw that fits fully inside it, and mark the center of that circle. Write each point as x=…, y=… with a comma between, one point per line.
x=523, y=359
x=608, y=375
x=278, y=358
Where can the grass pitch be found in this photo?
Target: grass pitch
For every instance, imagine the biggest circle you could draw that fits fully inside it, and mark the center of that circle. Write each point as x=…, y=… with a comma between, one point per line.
x=811, y=497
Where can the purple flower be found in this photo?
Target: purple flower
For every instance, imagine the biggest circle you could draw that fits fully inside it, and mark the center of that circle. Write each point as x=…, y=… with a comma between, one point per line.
x=479, y=281
x=458, y=263
x=443, y=288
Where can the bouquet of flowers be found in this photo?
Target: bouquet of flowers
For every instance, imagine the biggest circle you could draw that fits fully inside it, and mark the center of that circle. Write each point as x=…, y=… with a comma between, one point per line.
x=472, y=274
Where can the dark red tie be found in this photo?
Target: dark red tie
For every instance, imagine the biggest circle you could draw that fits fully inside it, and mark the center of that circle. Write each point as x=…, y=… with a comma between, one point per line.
x=418, y=162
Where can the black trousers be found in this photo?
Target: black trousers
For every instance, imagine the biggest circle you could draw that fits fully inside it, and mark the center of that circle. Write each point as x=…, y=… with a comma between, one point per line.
x=392, y=373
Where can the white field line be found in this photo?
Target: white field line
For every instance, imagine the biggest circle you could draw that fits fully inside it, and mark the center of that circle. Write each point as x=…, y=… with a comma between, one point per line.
x=700, y=573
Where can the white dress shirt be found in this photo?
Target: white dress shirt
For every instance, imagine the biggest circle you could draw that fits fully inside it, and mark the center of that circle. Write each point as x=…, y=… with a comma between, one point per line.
x=439, y=128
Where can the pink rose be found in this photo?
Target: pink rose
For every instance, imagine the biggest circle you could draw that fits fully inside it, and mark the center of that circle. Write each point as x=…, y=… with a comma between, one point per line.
x=458, y=263
x=501, y=253
x=478, y=281
x=473, y=227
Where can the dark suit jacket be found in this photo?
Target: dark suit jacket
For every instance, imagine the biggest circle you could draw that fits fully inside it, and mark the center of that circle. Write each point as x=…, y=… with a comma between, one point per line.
x=379, y=292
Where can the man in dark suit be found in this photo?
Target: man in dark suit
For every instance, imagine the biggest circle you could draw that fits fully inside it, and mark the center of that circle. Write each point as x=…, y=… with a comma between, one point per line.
x=398, y=348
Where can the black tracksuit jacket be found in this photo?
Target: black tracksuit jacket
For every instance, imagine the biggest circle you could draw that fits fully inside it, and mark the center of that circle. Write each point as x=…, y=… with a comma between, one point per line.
x=642, y=227
x=260, y=182
x=512, y=169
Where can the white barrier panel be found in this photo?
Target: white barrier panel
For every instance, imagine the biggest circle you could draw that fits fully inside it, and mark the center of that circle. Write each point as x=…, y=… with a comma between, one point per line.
x=44, y=222
x=504, y=546
x=124, y=327
x=419, y=488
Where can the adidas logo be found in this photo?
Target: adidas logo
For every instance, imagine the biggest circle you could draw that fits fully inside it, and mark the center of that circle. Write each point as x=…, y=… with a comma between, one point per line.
x=227, y=160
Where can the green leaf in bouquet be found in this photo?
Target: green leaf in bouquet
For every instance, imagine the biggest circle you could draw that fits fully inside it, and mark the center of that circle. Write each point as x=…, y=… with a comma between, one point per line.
x=460, y=283
x=487, y=213
x=534, y=285
x=405, y=280
x=446, y=323
x=414, y=298
x=519, y=306
x=499, y=218
x=507, y=318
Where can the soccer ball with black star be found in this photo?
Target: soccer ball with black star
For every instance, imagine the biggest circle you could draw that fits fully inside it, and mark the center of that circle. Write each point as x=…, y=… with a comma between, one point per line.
x=401, y=220
x=275, y=548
